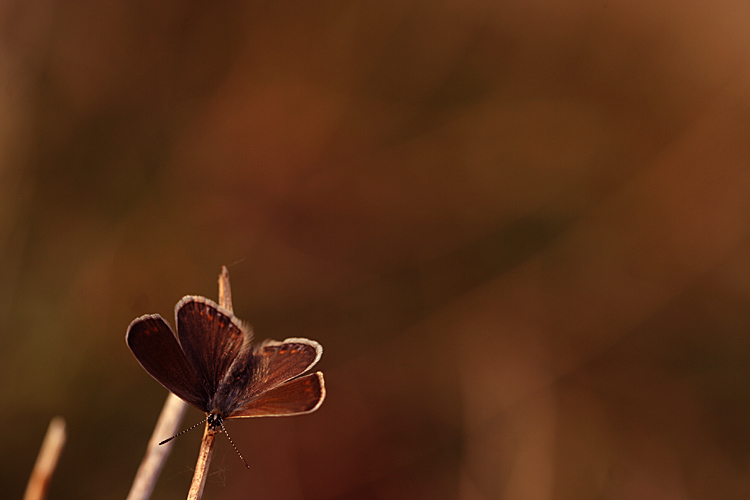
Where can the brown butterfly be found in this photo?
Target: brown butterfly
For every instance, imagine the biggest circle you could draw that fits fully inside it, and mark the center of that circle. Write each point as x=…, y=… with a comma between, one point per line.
x=212, y=365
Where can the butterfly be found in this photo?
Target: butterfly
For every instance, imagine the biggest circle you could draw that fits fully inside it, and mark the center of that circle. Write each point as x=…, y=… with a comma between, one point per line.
x=211, y=364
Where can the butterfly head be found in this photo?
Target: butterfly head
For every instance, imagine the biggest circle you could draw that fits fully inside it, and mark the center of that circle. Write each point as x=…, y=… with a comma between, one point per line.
x=215, y=421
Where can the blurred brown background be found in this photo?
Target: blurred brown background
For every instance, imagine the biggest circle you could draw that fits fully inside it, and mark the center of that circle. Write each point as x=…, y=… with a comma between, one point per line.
x=521, y=231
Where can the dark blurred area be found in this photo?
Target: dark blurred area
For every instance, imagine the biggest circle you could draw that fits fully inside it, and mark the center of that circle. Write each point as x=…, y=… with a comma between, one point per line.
x=520, y=230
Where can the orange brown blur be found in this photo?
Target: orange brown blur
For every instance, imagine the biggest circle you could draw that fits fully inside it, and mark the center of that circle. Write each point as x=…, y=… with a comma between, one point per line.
x=520, y=230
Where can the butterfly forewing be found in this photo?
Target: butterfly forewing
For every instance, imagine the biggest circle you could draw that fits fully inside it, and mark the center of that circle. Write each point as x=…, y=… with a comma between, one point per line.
x=301, y=395
x=155, y=347
x=210, y=337
x=276, y=362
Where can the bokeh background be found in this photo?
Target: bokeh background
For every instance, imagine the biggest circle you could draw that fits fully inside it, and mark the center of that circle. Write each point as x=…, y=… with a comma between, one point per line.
x=521, y=231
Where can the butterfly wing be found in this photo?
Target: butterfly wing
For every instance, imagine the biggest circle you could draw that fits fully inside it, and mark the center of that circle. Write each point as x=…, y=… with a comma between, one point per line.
x=301, y=395
x=276, y=362
x=211, y=338
x=155, y=347
x=269, y=367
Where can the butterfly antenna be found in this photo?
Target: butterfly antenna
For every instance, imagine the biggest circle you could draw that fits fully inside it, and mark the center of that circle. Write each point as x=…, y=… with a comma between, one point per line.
x=183, y=432
x=224, y=429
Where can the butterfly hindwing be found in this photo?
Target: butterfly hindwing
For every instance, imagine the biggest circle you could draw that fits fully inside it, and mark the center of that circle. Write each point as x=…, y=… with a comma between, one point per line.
x=277, y=362
x=155, y=347
x=301, y=395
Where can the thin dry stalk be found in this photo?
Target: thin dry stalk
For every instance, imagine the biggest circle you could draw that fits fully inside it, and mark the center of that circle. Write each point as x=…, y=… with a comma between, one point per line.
x=46, y=462
x=152, y=463
x=201, y=466
x=225, y=290
x=209, y=435
x=168, y=424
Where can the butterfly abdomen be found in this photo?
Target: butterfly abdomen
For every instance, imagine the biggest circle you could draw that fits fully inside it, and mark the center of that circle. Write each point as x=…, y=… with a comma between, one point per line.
x=233, y=387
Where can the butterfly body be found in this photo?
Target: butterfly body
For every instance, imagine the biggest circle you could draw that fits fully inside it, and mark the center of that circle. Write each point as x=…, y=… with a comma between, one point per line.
x=210, y=363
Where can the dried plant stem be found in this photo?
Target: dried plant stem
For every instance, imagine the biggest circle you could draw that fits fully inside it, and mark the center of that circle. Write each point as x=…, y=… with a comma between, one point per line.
x=225, y=290
x=209, y=435
x=201, y=466
x=46, y=462
x=152, y=463
x=168, y=425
